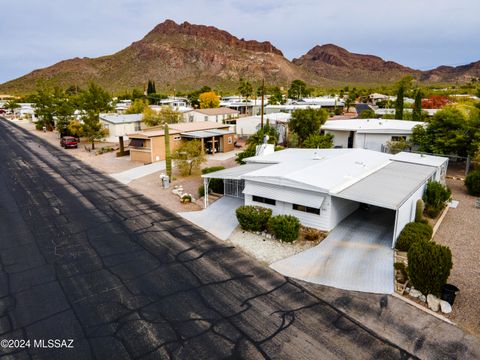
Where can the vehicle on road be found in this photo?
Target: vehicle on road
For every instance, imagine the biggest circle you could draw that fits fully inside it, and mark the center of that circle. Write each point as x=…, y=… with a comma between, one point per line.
x=69, y=142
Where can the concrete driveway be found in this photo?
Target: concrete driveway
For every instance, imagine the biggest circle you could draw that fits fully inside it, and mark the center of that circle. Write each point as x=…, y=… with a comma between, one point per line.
x=127, y=176
x=219, y=218
x=356, y=255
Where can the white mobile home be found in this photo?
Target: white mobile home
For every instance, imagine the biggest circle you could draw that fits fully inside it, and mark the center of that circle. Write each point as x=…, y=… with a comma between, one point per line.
x=218, y=115
x=370, y=134
x=120, y=125
x=322, y=187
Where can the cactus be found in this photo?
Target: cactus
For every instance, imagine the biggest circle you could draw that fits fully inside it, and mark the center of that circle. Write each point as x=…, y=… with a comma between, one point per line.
x=168, y=157
x=419, y=210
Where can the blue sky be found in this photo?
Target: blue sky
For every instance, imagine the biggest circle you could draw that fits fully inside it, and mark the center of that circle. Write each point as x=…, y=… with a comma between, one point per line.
x=418, y=33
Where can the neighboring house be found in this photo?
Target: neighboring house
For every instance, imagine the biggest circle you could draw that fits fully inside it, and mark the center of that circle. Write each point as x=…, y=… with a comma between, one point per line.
x=148, y=146
x=371, y=134
x=326, y=102
x=251, y=107
x=218, y=115
x=289, y=108
x=322, y=187
x=122, y=106
x=249, y=125
x=120, y=125
x=382, y=112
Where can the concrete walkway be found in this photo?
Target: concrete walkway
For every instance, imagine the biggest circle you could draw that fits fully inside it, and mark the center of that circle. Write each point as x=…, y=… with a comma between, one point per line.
x=128, y=176
x=218, y=219
x=356, y=255
x=223, y=156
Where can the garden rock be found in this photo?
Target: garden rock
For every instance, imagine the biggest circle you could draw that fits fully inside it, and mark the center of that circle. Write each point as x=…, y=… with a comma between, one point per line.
x=445, y=307
x=422, y=298
x=415, y=293
x=433, y=302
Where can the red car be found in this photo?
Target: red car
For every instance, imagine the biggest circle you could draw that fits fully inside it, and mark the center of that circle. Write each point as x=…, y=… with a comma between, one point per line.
x=69, y=142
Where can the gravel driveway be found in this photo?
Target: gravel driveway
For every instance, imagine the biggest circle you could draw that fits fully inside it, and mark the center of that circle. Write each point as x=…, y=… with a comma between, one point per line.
x=460, y=231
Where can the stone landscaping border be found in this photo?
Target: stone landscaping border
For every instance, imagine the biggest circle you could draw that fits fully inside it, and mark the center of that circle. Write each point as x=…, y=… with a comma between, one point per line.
x=421, y=307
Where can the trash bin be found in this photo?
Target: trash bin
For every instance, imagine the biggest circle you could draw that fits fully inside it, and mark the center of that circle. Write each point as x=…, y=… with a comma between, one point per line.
x=449, y=292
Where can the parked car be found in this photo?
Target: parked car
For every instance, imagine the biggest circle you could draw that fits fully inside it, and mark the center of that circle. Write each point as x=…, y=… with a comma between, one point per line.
x=69, y=142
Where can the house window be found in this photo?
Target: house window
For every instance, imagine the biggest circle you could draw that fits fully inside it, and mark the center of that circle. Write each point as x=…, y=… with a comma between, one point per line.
x=190, y=118
x=399, y=138
x=306, y=209
x=206, y=118
x=136, y=143
x=229, y=140
x=137, y=126
x=263, y=200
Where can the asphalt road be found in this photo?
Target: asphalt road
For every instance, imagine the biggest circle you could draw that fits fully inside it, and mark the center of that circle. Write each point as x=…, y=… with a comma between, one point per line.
x=84, y=257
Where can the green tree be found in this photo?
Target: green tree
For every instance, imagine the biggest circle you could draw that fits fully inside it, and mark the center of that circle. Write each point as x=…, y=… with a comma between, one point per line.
x=151, y=87
x=93, y=101
x=306, y=121
x=166, y=115
x=246, y=90
x=321, y=141
x=64, y=110
x=12, y=105
x=450, y=131
x=276, y=96
x=168, y=155
x=417, y=108
x=209, y=100
x=399, y=103
x=349, y=101
x=189, y=156
x=367, y=114
x=298, y=89
x=44, y=103
x=193, y=97
x=137, y=106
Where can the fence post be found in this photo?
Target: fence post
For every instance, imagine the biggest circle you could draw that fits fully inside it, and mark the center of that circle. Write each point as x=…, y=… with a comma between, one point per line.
x=467, y=166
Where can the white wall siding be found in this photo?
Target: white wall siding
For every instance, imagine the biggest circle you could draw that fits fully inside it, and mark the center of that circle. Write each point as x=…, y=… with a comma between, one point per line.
x=373, y=141
x=406, y=212
x=340, y=209
x=321, y=221
x=340, y=138
x=116, y=130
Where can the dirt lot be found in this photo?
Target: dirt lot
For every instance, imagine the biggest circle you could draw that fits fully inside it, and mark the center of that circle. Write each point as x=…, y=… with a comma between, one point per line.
x=460, y=231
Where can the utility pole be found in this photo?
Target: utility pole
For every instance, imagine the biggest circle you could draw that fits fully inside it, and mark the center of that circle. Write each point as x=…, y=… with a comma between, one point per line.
x=261, y=110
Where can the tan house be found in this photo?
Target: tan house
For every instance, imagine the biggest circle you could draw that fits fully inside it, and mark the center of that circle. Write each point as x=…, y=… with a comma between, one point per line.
x=148, y=145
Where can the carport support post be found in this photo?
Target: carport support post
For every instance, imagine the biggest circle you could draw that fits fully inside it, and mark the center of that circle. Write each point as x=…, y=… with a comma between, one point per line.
x=205, y=192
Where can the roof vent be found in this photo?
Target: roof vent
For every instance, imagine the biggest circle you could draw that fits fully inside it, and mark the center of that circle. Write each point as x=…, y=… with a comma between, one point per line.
x=360, y=163
x=316, y=155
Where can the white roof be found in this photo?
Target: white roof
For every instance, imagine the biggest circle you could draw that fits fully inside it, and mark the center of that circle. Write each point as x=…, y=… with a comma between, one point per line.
x=234, y=173
x=421, y=159
x=121, y=119
x=325, y=170
x=371, y=125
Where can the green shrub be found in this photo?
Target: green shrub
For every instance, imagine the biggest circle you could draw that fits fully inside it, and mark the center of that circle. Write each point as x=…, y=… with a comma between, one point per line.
x=429, y=266
x=201, y=191
x=284, y=227
x=413, y=232
x=215, y=185
x=435, y=197
x=209, y=170
x=472, y=182
x=253, y=218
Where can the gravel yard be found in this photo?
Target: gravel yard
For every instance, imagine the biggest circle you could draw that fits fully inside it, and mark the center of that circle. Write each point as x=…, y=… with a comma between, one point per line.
x=267, y=250
x=460, y=231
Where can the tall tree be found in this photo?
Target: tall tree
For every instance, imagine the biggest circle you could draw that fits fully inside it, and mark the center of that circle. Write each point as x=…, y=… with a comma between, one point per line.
x=399, y=102
x=189, y=156
x=307, y=121
x=137, y=106
x=209, y=100
x=166, y=115
x=168, y=156
x=417, y=107
x=276, y=96
x=94, y=101
x=151, y=87
x=246, y=90
x=298, y=89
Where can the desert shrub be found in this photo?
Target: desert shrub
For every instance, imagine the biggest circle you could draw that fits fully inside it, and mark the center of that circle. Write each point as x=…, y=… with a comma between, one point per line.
x=412, y=233
x=435, y=197
x=429, y=266
x=211, y=169
x=253, y=218
x=284, y=227
x=400, y=266
x=311, y=234
x=201, y=191
x=472, y=182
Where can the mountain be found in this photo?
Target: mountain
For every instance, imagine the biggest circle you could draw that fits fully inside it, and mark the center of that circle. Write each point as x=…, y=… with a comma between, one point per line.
x=450, y=74
x=186, y=57
x=180, y=56
x=338, y=64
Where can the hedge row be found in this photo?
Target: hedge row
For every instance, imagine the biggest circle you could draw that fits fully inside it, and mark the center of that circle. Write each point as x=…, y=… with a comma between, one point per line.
x=413, y=232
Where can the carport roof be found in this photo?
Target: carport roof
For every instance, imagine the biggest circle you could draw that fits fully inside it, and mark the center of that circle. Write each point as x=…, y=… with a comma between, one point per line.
x=205, y=133
x=235, y=173
x=390, y=186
